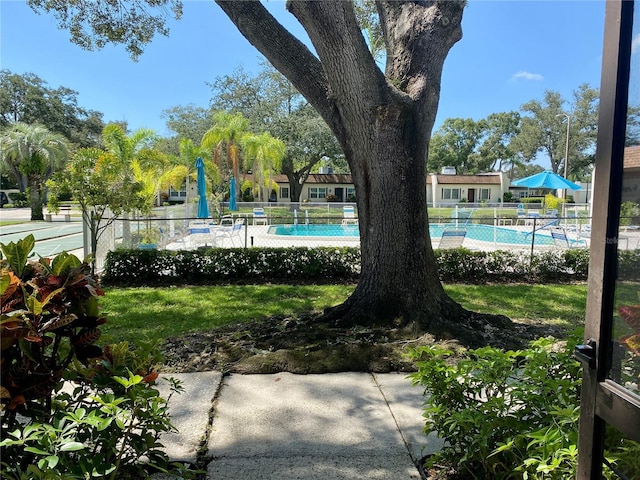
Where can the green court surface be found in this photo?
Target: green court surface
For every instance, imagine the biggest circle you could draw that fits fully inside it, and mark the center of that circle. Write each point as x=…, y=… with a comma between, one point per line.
x=51, y=238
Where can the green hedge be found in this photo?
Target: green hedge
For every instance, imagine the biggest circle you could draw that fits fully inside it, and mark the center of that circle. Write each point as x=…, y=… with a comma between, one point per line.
x=225, y=265
x=330, y=265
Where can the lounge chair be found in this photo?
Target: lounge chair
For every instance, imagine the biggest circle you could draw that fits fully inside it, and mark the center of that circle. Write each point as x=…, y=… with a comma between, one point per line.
x=560, y=239
x=521, y=215
x=229, y=232
x=200, y=234
x=259, y=217
x=452, y=238
x=462, y=216
x=226, y=220
x=349, y=215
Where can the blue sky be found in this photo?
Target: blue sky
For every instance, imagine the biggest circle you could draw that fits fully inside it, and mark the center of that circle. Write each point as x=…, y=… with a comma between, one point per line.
x=511, y=52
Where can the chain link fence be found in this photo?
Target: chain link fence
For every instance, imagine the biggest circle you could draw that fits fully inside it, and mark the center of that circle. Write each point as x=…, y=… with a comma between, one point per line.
x=481, y=227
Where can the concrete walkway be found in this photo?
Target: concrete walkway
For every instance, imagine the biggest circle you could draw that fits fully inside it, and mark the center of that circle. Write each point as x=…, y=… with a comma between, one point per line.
x=286, y=426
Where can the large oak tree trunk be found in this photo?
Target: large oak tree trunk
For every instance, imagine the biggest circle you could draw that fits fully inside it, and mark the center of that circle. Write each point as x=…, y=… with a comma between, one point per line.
x=399, y=274
x=383, y=122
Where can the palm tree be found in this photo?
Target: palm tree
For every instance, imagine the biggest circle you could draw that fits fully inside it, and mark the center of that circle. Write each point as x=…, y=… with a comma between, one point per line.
x=265, y=154
x=188, y=155
x=35, y=152
x=154, y=172
x=228, y=131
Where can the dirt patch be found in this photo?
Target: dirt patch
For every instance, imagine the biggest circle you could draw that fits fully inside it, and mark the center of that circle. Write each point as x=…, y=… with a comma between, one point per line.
x=306, y=344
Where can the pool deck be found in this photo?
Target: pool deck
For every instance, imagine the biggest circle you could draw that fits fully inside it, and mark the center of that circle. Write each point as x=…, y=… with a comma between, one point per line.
x=259, y=236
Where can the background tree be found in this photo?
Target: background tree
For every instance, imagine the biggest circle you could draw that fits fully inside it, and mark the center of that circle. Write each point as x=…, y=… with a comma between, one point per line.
x=187, y=158
x=382, y=120
x=155, y=172
x=124, y=150
x=28, y=99
x=188, y=122
x=32, y=153
x=271, y=103
x=263, y=156
x=497, y=150
x=101, y=192
x=543, y=129
x=455, y=144
x=223, y=141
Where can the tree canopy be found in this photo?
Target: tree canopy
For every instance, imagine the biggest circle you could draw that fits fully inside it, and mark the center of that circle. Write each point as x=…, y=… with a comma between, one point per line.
x=32, y=154
x=271, y=103
x=27, y=98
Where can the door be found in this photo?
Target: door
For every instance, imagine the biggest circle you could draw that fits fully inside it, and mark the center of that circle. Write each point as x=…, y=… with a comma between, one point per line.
x=471, y=195
x=339, y=193
x=610, y=399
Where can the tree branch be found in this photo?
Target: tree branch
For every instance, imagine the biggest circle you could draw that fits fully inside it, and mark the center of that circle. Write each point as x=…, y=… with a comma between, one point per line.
x=285, y=52
x=333, y=28
x=418, y=36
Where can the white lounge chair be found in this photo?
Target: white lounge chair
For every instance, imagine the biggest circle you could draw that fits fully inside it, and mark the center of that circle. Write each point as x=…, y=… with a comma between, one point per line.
x=521, y=216
x=452, y=238
x=560, y=239
x=229, y=232
x=349, y=215
x=200, y=235
x=259, y=217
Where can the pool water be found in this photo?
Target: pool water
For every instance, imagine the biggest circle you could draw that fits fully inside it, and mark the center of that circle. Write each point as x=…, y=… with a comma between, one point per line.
x=480, y=232
x=313, y=230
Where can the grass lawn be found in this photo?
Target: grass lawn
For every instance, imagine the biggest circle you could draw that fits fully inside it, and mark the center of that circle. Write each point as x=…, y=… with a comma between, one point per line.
x=159, y=313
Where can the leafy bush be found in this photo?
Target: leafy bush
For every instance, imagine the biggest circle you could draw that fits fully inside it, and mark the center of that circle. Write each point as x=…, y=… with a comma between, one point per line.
x=503, y=412
x=552, y=202
x=322, y=264
x=539, y=200
x=215, y=265
x=49, y=317
x=629, y=213
x=49, y=325
x=506, y=415
x=19, y=199
x=628, y=261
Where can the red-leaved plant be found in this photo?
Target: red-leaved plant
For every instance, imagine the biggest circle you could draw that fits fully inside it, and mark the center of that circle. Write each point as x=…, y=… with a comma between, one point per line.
x=49, y=315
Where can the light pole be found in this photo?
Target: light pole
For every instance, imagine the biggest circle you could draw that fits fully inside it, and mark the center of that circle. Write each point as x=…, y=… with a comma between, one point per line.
x=566, y=151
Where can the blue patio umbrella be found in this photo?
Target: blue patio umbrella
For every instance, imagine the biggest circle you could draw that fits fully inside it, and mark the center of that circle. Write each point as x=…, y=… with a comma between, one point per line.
x=546, y=179
x=203, y=208
x=233, y=203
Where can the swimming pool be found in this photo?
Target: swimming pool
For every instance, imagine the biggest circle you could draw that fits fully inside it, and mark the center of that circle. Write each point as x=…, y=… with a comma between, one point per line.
x=315, y=230
x=475, y=231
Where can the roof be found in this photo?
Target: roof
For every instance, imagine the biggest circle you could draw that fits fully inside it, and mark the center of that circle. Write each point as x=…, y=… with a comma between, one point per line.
x=632, y=157
x=321, y=178
x=466, y=179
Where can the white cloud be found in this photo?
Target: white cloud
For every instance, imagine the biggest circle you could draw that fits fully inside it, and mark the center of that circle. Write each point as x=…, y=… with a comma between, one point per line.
x=527, y=76
x=635, y=44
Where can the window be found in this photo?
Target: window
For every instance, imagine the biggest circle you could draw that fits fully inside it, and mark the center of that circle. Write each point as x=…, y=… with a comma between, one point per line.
x=284, y=192
x=485, y=194
x=177, y=193
x=451, y=194
x=318, y=192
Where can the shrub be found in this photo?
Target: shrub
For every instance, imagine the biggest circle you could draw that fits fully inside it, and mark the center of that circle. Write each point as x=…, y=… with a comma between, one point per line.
x=552, y=202
x=539, y=200
x=510, y=414
x=629, y=212
x=19, y=199
x=221, y=265
x=330, y=264
x=49, y=325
